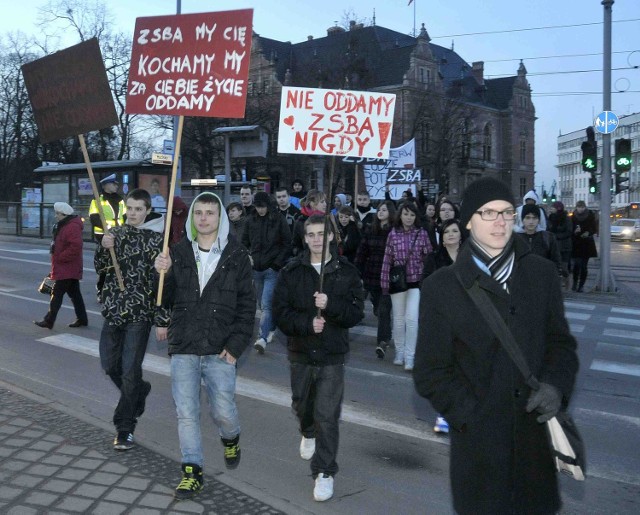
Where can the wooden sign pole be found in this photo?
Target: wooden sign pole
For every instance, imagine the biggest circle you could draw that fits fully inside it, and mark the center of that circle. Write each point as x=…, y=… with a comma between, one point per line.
x=325, y=238
x=172, y=190
x=96, y=196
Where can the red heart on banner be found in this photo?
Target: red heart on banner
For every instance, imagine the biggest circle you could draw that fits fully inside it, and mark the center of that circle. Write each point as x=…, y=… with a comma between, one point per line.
x=289, y=120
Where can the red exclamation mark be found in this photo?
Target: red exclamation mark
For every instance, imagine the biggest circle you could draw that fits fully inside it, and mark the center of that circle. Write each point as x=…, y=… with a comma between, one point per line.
x=384, y=128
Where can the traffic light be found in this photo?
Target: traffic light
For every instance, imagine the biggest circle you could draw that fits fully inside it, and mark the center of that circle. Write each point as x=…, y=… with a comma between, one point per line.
x=544, y=196
x=589, y=156
x=620, y=183
x=623, y=155
x=553, y=197
x=593, y=184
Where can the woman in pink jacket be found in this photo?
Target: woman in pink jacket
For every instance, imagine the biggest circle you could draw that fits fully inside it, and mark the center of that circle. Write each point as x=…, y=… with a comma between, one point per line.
x=407, y=244
x=66, y=266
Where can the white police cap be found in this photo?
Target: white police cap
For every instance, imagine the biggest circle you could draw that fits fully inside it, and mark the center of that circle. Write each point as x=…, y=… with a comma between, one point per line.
x=110, y=178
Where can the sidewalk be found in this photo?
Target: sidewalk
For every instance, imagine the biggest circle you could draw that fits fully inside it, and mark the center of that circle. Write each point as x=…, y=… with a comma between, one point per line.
x=51, y=462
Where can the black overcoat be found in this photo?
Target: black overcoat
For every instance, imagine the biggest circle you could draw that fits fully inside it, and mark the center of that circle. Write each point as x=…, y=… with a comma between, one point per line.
x=500, y=460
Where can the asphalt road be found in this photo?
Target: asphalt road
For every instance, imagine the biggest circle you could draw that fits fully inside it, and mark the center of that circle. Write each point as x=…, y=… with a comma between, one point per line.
x=390, y=460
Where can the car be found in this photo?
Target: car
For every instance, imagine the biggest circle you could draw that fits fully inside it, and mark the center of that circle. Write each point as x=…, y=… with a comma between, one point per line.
x=625, y=229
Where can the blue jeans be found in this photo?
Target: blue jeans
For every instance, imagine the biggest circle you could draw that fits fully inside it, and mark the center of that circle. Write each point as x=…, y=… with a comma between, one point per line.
x=187, y=371
x=122, y=350
x=265, y=280
x=316, y=399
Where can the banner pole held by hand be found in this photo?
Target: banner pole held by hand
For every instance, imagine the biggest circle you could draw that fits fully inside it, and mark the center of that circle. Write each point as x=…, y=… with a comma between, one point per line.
x=172, y=191
x=96, y=196
x=327, y=214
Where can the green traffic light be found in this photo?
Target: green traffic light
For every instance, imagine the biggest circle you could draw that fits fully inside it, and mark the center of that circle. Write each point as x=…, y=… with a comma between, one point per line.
x=623, y=161
x=589, y=163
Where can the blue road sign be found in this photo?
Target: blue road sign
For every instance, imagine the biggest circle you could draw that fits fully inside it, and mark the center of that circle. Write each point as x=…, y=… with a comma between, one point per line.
x=606, y=122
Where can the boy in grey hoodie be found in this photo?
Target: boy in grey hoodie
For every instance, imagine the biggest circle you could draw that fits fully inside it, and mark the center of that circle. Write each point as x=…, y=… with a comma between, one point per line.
x=209, y=289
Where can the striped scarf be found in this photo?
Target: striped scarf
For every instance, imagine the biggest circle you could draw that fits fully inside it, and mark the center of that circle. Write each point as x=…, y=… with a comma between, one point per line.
x=500, y=266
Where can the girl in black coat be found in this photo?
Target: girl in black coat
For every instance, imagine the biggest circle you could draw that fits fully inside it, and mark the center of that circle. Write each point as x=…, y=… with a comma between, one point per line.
x=584, y=246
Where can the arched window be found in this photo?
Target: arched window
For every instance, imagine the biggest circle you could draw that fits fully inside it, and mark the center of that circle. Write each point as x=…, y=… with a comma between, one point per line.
x=425, y=137
x=487, y=143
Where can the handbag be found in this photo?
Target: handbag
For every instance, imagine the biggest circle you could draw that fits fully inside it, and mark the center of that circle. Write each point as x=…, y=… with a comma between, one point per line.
x=398, y=273
x=565, y=441
x=46, y=286
x=398, y=279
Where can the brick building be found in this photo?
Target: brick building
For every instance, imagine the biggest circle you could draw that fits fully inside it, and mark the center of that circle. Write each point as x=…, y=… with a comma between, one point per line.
x=465, y=125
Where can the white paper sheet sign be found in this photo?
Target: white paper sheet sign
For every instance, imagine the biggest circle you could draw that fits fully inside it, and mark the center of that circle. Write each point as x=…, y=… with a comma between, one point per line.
x=335, y=122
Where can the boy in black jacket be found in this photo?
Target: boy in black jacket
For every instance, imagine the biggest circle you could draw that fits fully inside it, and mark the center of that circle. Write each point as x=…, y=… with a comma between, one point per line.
x=210, y=291
x=317, y=326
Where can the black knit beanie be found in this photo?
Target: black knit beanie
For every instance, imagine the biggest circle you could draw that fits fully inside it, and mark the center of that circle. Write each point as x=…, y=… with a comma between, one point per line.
x=479, y=192
x=530, y=209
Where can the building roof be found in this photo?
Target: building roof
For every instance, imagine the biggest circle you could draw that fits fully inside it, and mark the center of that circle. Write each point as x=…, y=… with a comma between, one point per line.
x=377, y=57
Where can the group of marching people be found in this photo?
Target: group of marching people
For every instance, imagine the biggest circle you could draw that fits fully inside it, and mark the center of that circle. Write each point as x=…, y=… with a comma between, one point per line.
x=308, y=277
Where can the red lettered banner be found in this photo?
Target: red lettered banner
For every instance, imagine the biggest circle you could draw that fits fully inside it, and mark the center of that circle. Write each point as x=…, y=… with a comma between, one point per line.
x=335, y=122
x=191, y=64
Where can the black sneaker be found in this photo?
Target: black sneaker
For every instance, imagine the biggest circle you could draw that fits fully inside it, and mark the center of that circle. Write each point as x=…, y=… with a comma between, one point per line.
x=231, y=452
x=142, y=398
x=381, y=350
x=123, y=441
x=191, y=483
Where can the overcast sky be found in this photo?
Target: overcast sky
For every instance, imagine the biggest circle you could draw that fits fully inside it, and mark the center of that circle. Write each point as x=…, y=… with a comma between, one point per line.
x=552, y=77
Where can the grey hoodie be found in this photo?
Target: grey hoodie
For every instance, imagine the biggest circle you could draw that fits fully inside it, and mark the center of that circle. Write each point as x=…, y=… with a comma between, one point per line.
x=542, y=226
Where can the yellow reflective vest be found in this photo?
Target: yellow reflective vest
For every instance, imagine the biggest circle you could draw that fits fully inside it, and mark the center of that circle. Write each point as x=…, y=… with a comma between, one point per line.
x=109, y=215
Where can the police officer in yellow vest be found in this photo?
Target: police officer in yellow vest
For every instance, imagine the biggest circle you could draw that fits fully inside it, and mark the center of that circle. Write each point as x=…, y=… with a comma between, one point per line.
x=114, y=210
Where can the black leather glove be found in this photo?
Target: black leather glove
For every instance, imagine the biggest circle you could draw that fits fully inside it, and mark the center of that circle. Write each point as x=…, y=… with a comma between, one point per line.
x=545, y=401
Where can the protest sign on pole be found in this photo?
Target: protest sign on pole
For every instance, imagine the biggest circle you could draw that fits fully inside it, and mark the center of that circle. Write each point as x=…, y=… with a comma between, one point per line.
x=189, y=65
x=70, y=95
x=376, y=174
x=335, y=122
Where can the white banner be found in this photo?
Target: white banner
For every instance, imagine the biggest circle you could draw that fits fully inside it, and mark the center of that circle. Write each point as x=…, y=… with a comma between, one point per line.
x=335, y=122
x=376, y=176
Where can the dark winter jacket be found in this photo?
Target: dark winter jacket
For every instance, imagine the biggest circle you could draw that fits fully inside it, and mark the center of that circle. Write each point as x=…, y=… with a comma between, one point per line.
x=179, y=214
x=136, y=249
x=294, y=309
x=290, y=214
x=584, y=246
x=268, y=239
x=436, y=260
x=222, y=318
x=66, y=249
x=370, y=256
x=562, y=228
x=349, y=240
x=500, y=462
x=543, y=244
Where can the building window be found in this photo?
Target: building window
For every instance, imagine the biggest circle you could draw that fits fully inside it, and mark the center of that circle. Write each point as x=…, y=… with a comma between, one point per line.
x=486, y=144
x=523, y=151
x=425, y=137
x=523, y=186
x=465, y=141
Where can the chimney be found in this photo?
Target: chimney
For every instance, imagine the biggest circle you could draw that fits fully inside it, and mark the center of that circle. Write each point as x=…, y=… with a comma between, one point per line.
x=477, y=70
x=309, y=38
x=334, y=30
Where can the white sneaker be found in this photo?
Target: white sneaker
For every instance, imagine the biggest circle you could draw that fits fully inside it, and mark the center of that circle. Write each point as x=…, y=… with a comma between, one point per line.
x=270, y=336
x=408, y=364
x=260, y=345
x=441, y=426
x=323, y=491
x=399, y=359
x=307, y=448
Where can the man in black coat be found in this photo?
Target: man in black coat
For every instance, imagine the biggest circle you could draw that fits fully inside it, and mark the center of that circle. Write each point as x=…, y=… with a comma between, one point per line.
x=268, y=238
x=501, y=462
x=210, y=290
x=317, y=327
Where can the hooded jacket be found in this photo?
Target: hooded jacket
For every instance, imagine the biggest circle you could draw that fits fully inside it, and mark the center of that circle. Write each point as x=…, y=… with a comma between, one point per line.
x=542, y=225
x=294, y=309
x=136, y=249
x=206, y=321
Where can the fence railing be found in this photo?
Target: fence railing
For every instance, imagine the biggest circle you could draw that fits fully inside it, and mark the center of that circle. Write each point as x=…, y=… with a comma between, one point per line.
x=36, y=220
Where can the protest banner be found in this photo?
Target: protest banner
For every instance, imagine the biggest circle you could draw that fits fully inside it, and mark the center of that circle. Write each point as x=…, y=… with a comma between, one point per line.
x=376, y=175
x=70, y=95
x=335, y=122
x=191, y=64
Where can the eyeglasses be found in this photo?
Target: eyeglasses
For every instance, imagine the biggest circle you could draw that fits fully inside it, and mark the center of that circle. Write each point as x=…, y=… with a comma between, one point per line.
x=490, y=215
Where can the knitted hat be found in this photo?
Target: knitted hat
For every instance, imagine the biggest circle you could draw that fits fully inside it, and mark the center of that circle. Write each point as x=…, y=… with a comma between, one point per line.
x=63, y=207
x=530, y=209
x=559, y=206
x=478, y=193
x=261, y=199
